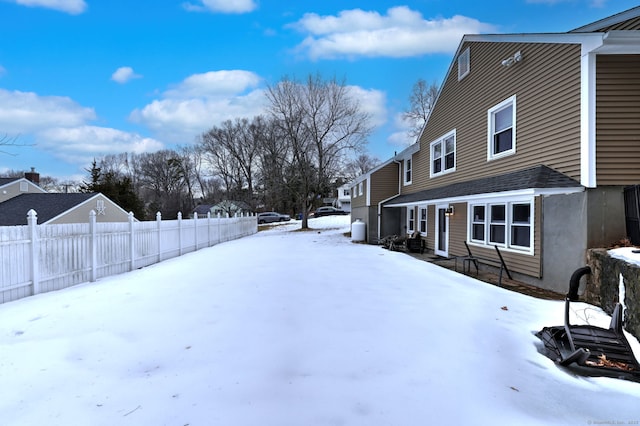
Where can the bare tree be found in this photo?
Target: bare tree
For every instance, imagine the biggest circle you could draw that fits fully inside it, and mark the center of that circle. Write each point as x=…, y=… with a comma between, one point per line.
x=423, y=97
x=233, y=150
x=323, y=124
x=8, y=141
x=360, y=165
x=162, y=180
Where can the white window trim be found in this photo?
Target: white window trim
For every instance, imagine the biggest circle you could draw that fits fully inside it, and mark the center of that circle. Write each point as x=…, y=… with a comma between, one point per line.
x=490, y=126
x=507, y=246
x=441, y=140
x=406, y=161
x=426, y=220
x=464, y=64
x=360, y=188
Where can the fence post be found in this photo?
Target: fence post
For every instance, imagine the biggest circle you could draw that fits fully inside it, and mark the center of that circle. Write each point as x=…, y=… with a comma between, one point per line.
x=195, y=231
x=159, y=223
x=209, y=229
x=93, y=246
x=32, y=221
x=132, y=248
x=180, y=233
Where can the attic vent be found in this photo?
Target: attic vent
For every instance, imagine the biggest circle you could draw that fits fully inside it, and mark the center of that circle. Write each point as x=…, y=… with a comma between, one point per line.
x=24, y=187
x=464, y=64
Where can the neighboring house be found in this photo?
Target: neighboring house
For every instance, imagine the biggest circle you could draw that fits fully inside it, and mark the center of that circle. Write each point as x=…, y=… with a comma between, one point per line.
x=60, y=208
x=201, y=210
x=231, y=208
x=12, y=187
x=343, y=201
x=19, y=195
x=529, y=146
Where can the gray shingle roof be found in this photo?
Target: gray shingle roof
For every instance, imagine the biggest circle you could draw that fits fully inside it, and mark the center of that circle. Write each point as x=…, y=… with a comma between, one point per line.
x=47, y=206
x=5, y=181
x=539, y=177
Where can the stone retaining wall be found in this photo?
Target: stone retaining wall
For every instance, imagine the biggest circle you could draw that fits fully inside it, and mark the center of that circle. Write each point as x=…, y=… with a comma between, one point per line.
x=602, y=287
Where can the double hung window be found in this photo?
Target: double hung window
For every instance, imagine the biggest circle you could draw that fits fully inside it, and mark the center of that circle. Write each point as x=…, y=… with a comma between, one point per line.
x=422, y=218
x=411, y=220
x=407, y=171
x=502, y=129
x=443, y=154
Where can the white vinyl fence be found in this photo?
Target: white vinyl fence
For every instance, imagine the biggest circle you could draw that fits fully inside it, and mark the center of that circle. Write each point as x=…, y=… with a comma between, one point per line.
x=40, y=258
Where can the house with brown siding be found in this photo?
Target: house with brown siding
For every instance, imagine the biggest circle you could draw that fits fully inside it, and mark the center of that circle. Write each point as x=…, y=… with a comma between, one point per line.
x=370, y=191
x=528, y=147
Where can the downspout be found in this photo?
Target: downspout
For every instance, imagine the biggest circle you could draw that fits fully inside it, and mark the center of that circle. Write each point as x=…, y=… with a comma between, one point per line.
x=399, y=163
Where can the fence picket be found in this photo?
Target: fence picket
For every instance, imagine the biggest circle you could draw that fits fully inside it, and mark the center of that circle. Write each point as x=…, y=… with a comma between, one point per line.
x=41, y=258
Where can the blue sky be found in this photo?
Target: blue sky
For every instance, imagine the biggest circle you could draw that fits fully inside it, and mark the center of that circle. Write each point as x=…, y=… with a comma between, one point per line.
x=83, y=78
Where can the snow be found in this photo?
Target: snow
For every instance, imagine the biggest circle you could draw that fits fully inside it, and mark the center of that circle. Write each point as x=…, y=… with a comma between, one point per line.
x=291, y=327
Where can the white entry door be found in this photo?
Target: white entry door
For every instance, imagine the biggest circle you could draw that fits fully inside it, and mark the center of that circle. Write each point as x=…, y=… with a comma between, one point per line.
x=442, y=231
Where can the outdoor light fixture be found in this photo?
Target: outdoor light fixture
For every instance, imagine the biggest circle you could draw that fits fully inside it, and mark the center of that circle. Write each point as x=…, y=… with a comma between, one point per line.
x=517, y=57
x=448, y=211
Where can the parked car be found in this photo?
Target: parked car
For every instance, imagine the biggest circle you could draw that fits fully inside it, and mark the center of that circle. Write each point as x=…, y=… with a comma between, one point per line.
x=328, y=211
x=269, y=217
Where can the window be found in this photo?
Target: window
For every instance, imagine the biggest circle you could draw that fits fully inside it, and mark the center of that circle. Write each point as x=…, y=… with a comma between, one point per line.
x=422, y=220
x=346, y=192
x=521, y=225
x=411, y=220
x=443, y=154
x=502, y=129
x=360, y=188
x=354, y=193
x=407, y=171
x=497, y=224
x=477, y=224
x=507, y=224
x=463, y=64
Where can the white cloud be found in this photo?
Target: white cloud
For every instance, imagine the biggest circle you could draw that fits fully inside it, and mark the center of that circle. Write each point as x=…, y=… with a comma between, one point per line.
x=60, y=126
x=73, y=7
x=200, y=101
x=214, y=84
x=124, y=74
x=401, y=136
x=222, y=6
x=27, y=112
x=372, y=102
x=402, y=32
x=83, y=143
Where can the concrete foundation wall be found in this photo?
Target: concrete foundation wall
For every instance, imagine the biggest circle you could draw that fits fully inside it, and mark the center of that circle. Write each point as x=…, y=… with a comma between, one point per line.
x=564, y=239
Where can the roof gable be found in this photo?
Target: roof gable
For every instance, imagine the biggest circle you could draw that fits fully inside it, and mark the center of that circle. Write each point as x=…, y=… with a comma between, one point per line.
x=47, y=206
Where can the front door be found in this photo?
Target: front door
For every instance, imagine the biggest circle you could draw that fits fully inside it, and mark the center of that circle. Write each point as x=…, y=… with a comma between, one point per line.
x=442, y=231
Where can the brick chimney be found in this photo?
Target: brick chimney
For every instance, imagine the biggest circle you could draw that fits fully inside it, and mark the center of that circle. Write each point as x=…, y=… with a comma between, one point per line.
x=33, y=176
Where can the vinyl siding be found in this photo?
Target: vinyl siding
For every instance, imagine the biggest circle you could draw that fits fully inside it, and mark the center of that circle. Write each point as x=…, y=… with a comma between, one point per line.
x=384, y=183
x=618, y=119
x=547, y=88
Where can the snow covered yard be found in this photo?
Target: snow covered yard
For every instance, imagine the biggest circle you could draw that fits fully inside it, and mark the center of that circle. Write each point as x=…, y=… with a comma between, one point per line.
x=294, y=328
